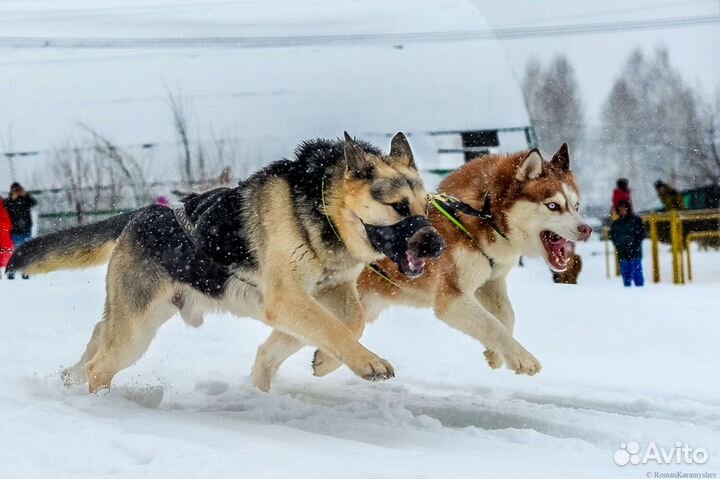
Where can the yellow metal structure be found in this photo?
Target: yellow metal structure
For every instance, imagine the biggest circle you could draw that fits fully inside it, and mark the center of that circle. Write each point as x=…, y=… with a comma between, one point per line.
x=692, y=237
x=677, y=219
x=652, y=220
x=606, y=238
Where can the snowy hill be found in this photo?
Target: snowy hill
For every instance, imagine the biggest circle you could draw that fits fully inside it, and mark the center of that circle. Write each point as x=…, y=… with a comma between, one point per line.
x=619, y=365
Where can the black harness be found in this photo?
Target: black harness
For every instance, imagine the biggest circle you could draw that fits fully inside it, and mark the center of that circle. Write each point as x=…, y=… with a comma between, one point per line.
x=190, y=231
x=188, y=227
x=454, y=205
x=450, y=207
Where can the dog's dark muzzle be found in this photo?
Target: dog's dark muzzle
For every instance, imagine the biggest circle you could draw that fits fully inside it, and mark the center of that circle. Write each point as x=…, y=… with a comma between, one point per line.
x=408, y=243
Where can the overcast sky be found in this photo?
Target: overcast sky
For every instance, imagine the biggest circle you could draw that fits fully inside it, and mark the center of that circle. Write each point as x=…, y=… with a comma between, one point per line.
x=598, y=58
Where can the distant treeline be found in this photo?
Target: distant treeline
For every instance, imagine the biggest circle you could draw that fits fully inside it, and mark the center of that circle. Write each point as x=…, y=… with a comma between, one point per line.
x=652, y=126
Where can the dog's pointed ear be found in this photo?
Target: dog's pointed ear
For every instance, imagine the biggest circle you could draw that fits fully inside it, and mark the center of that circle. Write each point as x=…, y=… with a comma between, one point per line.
x=400, y=150
x=562, y=158
x=531, y=166
x=355, y=158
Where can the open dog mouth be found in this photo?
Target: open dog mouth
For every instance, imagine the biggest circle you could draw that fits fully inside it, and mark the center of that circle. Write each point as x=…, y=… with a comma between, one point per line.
x=411, y=266
x=408, y=243
x=558, y=250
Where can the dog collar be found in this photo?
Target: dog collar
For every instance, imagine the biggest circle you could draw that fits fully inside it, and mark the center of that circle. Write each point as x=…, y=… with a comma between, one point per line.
x=325, y=212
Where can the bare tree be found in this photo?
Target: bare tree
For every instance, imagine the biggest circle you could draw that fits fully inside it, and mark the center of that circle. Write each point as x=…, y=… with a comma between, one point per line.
x=74, y=167
x=553, y=98
x=182, y=131
x=7, y=144
x=654, y=128
x=711, y=120
x=131, y=171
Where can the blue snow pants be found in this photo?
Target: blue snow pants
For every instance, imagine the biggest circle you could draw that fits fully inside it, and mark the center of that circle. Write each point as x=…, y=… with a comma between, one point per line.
x=631, y=271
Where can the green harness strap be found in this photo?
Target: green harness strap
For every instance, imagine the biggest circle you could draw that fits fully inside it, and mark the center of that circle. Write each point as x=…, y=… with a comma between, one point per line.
x=327, y=217
x=436, y=198
x=455, y=221
x=376, y=269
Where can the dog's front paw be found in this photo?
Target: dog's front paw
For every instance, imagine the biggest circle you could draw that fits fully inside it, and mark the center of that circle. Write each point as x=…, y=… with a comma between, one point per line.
x=323, y=364
x=493, y=358
x=521, y=361
x=372, y=368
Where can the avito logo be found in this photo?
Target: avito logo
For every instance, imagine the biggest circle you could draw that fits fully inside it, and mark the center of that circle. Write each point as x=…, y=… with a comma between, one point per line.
x=632, y=453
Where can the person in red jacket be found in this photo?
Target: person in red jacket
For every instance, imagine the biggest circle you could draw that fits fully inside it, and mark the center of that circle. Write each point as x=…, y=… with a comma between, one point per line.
x=6, y=243
x=621, y=194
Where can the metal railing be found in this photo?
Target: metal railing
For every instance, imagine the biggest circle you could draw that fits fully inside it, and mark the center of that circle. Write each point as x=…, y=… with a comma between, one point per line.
x=679, y=242
x=677, y=221
x=693, y=237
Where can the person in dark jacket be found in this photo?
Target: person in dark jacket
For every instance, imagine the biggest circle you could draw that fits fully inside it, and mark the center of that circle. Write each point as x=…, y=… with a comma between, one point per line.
x=627, y=234
x=18, y=205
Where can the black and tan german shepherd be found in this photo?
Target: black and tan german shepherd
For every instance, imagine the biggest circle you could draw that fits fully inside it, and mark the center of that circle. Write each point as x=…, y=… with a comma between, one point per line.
x=286, y=246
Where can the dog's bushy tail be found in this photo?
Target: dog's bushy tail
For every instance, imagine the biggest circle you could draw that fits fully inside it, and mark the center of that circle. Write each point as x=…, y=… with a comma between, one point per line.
x=80, y=247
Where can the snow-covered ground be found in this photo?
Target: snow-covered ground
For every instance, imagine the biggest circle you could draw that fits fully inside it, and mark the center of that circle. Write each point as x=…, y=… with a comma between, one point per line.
x=619, y=365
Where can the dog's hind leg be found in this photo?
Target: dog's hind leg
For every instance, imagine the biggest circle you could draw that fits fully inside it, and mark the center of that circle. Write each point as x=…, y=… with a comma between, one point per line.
x=139, y=301
x=77, y=374
x=123, y=340
x=270, y=355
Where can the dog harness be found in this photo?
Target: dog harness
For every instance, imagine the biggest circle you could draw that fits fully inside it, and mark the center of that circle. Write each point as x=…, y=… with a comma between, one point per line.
x=449, y=206
x=187, y=226
x=190, y=231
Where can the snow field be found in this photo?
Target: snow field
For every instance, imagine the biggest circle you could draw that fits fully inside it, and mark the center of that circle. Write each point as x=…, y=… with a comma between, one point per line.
x=618, y=365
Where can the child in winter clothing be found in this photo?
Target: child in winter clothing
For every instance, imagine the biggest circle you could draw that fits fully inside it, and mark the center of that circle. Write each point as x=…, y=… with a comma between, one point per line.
x=620, y=193
x=627, y=234
x=6, y=244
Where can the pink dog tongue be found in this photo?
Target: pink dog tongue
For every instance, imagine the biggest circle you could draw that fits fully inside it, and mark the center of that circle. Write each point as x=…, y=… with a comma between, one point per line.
x=559, y=249
x=415, y=263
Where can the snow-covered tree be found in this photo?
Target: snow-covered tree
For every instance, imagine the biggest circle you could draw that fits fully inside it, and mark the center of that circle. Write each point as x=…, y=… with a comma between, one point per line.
x=654, y=127
x=553, y=99
x=555, y=105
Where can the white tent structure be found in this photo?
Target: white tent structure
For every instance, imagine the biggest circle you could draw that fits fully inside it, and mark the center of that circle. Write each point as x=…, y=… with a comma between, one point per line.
x=261, y=76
